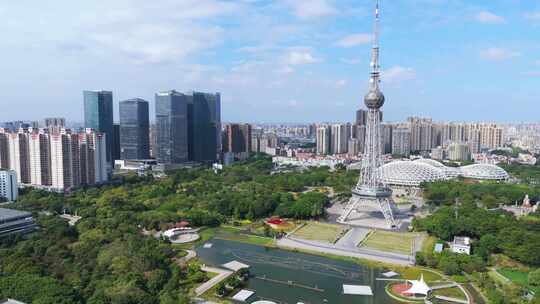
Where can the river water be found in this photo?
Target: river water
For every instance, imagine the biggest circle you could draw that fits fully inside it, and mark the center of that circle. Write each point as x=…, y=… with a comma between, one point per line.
x=316, y=280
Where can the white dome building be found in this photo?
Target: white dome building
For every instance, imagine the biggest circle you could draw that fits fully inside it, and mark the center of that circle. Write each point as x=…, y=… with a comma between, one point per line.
x=409, y=173
x=484, y=171
x=414, y=173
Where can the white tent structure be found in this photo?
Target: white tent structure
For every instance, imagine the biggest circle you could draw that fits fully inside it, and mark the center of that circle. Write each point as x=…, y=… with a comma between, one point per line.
x=419, y=287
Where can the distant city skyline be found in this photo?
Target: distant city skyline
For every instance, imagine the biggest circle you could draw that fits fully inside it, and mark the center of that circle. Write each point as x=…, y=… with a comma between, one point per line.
x=274, y=61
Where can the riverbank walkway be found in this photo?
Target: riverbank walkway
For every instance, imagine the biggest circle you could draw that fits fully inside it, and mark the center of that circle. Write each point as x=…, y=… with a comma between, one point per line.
x=386, y=257
x=222, y=274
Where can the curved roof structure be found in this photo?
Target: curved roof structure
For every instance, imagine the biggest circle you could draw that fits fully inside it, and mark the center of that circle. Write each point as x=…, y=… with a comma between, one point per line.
x=407, y=173
x=414, y=173
x=432, y=162
x=448, y=171
x=484, y=171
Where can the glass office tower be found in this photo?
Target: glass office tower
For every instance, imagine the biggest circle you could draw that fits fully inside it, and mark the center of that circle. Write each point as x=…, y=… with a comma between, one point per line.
x=172, y=127
x=205, y=131
x=98, y=115
x=134, y=129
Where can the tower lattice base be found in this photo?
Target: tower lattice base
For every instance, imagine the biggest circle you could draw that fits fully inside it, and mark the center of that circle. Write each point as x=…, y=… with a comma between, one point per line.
x=359, y=203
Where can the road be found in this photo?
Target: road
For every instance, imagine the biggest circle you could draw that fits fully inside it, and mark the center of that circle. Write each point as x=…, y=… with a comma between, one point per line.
x=391, y=258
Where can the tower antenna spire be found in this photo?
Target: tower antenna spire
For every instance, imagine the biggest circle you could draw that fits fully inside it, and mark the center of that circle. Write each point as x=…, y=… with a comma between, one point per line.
x=375, y=68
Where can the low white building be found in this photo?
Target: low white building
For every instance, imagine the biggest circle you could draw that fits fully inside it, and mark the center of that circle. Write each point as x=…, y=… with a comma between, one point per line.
x=8, y=185
x=461, y=245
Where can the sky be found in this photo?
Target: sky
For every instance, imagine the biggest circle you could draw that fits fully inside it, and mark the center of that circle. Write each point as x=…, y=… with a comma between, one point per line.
x=275, y=60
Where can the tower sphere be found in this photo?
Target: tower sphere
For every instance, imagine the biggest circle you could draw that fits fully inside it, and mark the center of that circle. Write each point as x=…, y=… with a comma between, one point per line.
x=374, y=99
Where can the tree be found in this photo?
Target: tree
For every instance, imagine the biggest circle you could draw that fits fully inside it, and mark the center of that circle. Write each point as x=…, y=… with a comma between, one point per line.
x=534, y=277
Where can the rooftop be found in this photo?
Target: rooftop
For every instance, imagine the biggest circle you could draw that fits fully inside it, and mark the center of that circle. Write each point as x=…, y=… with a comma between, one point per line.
x=462, y=240
x=10, y=214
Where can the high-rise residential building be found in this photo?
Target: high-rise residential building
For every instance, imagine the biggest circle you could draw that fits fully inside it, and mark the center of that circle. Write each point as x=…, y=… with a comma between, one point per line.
x=339, y=139
x=93, y=164
x=62, y=162
x=57, y=160
x=98, y=115
x=14, y=126
x=458, y=152
x=55, y=124
x=401, y=140
x=491, y=135
x=204, y=116
x=473, y=139
x=361, y=117
x=134, y=129
x=172, y=127
x=4, y=149
x=40, y=157
x=8, y=185
x=353, y=148
x=19, y=156
x=421, y=133
x=323, y=140
x=237, y=138
x=387, y=138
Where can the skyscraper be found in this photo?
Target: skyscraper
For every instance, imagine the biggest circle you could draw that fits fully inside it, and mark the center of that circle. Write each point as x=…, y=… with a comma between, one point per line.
x=134, y=129
x=172, y=127
x=115, y=146
x=98, y=115
x=205, y=127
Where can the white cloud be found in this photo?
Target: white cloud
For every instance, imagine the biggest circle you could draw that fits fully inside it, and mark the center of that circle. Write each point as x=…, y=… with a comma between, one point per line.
x=537, y=62
x=498, y=54
x=307, y=9
x=299, y=57
x=354, y=40
x=397, y=74
x=489, y=17
x=533, y=16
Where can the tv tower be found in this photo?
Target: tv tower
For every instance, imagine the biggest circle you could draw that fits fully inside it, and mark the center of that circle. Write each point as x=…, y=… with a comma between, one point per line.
x=371, y=190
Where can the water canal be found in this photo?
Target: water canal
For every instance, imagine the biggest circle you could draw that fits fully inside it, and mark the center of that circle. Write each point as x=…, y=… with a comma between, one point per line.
x=316, y=280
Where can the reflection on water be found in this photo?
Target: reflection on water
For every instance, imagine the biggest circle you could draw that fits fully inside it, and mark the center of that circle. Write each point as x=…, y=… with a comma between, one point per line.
x=289, y=277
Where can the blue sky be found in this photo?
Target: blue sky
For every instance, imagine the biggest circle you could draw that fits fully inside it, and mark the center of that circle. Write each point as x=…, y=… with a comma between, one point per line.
x=281, y=60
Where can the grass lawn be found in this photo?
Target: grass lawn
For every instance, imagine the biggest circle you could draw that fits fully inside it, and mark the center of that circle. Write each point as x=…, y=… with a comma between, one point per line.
x=414, y=273
x=316, y=231
x=453, y=292
x=518, y=277
x=429, y=244
x=390, y=241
